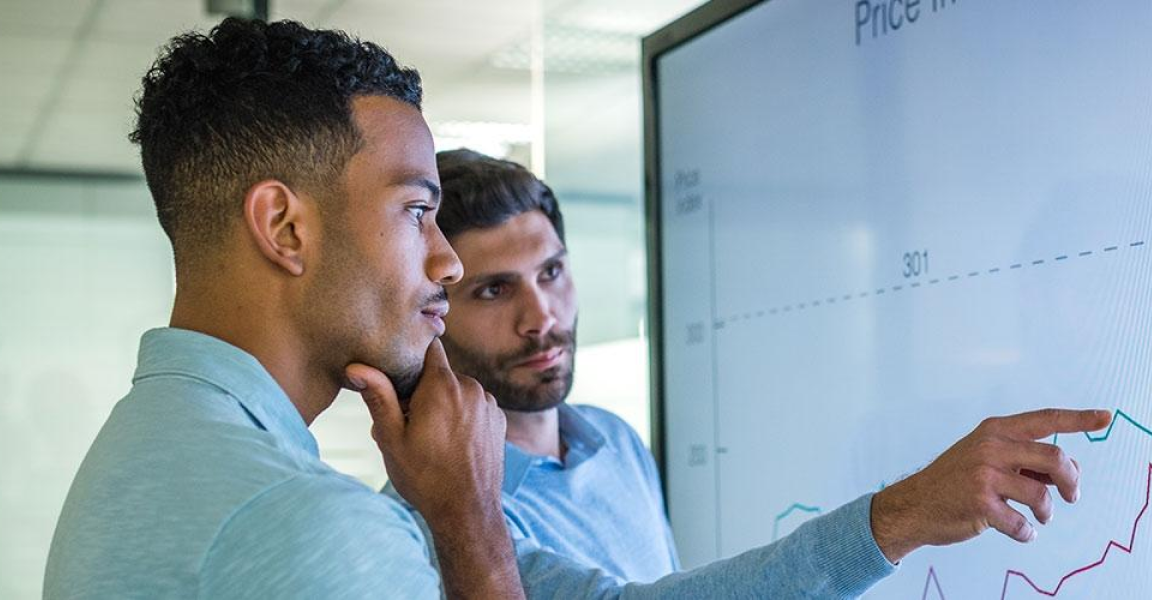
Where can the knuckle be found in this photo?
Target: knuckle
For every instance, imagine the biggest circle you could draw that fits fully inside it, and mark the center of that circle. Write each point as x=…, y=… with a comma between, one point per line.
x=1017, y=525
x=1056, y=454
x=471, y=387
x=990, y=424
x=987, y=449
x=1054, y=417
x=1039, y=496
x=984, y=476
x=988, y=504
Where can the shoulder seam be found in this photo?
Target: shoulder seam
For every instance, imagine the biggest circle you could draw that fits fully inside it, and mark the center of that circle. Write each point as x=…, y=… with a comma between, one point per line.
x=228, y=520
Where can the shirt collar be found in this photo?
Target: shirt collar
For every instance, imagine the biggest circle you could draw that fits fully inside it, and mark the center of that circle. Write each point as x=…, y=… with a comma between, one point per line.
x=581, y=437
x=172, y=351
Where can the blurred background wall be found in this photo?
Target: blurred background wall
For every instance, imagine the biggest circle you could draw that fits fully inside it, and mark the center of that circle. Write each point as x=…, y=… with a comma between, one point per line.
x=85, y=269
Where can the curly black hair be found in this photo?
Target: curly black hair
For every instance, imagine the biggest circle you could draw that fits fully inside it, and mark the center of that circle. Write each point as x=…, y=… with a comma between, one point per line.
x=251, y=101
x=479, y=191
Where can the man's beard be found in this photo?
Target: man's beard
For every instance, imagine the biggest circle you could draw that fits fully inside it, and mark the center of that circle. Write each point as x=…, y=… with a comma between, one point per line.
x=405, y=379
x=549, y=388
x=405, y=382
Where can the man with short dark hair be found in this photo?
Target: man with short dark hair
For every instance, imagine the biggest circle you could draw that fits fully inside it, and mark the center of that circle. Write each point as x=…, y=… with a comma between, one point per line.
x=579, y=479
x=295, y=177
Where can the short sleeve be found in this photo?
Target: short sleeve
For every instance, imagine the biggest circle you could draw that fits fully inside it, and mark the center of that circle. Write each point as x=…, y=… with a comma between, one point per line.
x=309, y=537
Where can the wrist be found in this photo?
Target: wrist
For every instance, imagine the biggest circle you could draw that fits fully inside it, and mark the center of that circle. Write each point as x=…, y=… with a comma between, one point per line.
x=893, y=521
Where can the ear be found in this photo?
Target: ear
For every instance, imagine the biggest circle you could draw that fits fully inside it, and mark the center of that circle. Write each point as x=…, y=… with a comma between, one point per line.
x=278, y=222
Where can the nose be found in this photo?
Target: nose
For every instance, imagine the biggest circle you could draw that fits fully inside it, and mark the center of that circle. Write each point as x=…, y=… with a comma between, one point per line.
x=536, y=318
x=443, y=265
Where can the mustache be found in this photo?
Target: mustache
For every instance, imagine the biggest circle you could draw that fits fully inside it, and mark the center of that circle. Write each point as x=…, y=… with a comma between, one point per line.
x=554, y=339
x=438, y=297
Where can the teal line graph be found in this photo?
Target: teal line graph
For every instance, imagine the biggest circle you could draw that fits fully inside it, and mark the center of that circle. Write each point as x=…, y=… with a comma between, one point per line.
x=791, y=509
x=1103, y=437
x=804, y=508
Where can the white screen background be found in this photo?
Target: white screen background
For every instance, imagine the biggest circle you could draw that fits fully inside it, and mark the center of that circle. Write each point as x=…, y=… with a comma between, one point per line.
x=1009, y=141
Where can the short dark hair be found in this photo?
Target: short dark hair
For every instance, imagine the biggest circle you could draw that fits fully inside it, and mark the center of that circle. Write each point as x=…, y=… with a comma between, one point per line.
x=251, y=101
x=479, y=192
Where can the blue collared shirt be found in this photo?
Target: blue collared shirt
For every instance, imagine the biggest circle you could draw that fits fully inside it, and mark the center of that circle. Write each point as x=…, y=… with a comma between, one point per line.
x=205, y=482
x=602, y=505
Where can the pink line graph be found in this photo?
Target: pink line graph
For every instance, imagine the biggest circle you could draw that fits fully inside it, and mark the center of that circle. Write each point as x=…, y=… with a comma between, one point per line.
x=933, y=578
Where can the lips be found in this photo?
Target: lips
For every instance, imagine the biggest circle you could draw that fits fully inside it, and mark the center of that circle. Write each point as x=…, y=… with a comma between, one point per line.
x=543, y=360
x=435, y=315
x=438, y=310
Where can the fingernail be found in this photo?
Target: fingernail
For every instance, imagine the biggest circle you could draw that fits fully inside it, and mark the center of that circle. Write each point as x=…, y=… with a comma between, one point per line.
x=1076, y=495
x=356, y=384
x=1032, y=535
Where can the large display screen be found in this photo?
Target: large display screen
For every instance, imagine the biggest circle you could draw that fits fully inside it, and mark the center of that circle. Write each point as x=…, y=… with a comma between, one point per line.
x=879, y=222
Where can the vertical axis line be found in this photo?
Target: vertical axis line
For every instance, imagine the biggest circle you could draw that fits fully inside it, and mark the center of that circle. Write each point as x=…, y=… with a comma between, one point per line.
x=715, y=371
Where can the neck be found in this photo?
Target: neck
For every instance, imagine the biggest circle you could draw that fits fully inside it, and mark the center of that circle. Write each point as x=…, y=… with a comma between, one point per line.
x=536, y=432
x=250, y=326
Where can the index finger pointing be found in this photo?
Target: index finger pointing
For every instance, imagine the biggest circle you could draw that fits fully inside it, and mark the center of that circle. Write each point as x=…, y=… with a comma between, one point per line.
x=1043, y=423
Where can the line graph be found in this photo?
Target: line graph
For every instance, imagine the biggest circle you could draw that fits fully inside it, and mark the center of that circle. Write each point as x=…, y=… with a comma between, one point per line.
x=1103, y=437
x=933, y=578
x=784, y=515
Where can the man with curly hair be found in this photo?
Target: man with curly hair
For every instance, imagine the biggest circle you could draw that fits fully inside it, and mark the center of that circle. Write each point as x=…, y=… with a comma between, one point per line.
x=295, y=177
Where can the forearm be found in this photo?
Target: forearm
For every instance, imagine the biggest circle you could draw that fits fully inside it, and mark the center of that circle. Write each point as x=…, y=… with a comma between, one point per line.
x=831, y=557
x=476, y=556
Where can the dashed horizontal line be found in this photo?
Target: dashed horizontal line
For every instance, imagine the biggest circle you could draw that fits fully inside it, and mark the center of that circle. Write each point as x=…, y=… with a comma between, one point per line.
x=719, y=324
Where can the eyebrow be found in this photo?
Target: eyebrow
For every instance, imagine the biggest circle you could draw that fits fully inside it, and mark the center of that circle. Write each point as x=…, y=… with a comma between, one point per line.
x=419, y=181
x=509, y=275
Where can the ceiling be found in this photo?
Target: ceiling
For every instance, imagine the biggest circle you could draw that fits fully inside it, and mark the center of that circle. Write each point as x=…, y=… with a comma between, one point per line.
x=69, y=68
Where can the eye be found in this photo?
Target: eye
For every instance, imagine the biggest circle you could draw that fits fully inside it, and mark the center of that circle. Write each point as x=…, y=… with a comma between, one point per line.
x=553, y=271
x=419, y=211
x=490, y=291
